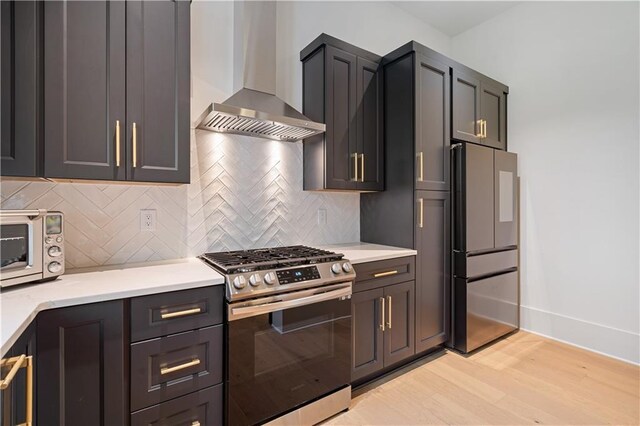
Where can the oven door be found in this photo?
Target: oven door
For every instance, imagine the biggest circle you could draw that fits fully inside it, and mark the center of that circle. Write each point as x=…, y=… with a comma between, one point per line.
x=20, y=247
x=287, y=350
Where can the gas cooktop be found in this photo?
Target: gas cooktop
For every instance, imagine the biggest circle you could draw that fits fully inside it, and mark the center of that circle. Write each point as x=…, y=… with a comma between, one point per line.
x=259, y=272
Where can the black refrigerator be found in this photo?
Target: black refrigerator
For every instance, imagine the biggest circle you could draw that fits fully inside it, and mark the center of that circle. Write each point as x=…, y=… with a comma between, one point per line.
x=485, y=285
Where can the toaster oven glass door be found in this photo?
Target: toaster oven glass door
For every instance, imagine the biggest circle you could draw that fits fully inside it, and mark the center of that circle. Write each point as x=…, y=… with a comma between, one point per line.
x=20, y=247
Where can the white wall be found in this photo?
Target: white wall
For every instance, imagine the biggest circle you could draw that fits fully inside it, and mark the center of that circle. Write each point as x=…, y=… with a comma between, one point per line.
x=573, y=72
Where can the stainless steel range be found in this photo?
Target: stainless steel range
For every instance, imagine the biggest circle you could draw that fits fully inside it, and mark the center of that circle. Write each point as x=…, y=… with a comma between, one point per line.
x=288, y=334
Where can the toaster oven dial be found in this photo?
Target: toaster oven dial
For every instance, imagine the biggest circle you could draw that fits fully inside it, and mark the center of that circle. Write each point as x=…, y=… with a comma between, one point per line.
x=48, y=240
x=54, y=251
x=55, y=267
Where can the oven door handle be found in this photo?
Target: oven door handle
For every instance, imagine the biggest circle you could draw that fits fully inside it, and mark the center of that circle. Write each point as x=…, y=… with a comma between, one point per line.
x=290, y=300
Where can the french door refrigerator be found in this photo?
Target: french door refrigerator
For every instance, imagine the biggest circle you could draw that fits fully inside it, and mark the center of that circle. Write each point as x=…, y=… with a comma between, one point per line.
x=485, y=285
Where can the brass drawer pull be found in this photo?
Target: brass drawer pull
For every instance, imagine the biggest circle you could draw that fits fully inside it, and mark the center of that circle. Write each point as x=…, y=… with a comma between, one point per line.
x=385, y=274
x=167, y=370
x=181, y=313
x=195, y=423
x=19, y=362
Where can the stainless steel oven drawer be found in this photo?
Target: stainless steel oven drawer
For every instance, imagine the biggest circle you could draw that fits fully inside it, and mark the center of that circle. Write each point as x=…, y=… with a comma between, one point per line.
x=172, y=366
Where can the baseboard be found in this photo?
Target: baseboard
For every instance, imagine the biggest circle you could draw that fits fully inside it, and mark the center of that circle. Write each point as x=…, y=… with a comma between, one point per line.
x=615, y=343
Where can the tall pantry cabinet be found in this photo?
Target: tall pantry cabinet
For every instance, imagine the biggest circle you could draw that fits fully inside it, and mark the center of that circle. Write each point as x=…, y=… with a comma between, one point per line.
x=414, y=209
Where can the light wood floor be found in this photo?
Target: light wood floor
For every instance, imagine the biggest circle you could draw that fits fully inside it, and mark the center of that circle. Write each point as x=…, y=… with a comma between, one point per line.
x=523, y=379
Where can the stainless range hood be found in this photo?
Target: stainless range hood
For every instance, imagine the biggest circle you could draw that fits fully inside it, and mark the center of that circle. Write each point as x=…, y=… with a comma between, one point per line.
x=254, y=110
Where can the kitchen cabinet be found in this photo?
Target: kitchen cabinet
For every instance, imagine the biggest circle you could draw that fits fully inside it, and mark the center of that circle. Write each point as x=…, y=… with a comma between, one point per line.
x=479, y=110
x=432, y=269
x=13, y=399
x=81, y=361
x=114, y=99
x=20, y=47
x=342, y=87
x=382, y=316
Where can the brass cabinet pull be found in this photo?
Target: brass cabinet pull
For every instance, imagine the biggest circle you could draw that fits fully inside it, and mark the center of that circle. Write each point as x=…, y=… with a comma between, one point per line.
x=421, y=166
x=18, y=363
x=385, y=274
x=195, y=423
x=135, y=146
x=362, y=167
x=117, y=143
x=167, y=370
x=389, y=320
x=484, y=129
x=382, y=313
x=355, y=166
x=181, y=313
x=421, y=213
x=479, y=127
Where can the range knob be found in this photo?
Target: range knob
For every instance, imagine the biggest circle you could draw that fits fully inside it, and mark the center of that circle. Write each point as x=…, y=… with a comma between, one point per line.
x=270, y=278
x=55, y=267
x=336, y=268
x=255, y=280
x=54, y=251
x=239, y=282
x=346, y=266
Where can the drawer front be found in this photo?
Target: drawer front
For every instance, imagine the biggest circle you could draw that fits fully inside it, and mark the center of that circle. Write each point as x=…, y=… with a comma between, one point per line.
x=168, y=367
x=384, y=272
x=492, y=308
x=175, y=312
x=202, y=408
x=492, y=262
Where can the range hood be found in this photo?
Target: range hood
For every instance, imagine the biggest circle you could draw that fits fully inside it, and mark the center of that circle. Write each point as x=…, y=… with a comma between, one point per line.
x=254, y=110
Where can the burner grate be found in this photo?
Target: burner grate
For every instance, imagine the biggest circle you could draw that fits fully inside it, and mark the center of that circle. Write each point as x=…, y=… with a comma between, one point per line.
x=230, y=262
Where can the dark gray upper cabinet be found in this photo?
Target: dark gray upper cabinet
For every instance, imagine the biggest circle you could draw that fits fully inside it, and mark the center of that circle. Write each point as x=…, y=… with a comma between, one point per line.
x=106, y=65
x=342, y=87
x=432, y=124
x=479, y=110
x=466, y=107
x=84, y=90
x=20, y=41
x=81, y=365
x=158, y=91
x=493, y=104
x=432, y=269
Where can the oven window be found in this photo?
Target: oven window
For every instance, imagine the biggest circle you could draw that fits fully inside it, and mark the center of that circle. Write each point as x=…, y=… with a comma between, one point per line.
x=281, y=360
x=14, y=246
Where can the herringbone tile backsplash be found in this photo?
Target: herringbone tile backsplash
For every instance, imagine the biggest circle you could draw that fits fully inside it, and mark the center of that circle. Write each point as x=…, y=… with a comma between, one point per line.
x=244, y=193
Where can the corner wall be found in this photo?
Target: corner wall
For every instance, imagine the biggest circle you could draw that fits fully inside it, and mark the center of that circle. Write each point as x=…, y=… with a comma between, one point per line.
x=573, y=73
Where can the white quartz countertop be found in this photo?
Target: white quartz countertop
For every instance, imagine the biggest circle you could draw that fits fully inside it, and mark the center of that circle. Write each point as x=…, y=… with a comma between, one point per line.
x=365, y=252
x=19, y=306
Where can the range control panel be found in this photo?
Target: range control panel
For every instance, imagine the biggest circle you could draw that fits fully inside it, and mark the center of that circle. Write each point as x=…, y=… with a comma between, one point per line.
x=296, y=275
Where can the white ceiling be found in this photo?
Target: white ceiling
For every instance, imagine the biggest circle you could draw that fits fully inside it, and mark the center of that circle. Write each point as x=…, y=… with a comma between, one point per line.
x=454, y=17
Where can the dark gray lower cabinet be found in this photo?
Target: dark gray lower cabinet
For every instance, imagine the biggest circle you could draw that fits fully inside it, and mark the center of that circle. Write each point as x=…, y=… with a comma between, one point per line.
x=203, y=407
x=433, y=287
x=367, y=334
x=20, y=42
x=13, y=400
x=80, y=365
x=383, y=328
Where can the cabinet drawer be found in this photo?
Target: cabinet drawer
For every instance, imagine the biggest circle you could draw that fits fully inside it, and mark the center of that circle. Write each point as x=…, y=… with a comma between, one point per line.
x=492, y=262
x=203, y=407
x=176, y=365
x=175, y=312
x=384, y=272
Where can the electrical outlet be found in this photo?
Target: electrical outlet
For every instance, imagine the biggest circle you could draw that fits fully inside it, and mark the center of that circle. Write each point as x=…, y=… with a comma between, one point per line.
x=322, y=216
x=147, y=220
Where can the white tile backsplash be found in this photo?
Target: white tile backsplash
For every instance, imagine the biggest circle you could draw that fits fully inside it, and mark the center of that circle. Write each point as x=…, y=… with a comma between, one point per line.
x=244, y=193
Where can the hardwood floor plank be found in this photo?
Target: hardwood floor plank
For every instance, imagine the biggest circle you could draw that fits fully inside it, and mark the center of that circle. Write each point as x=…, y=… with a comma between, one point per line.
x=521, y=379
